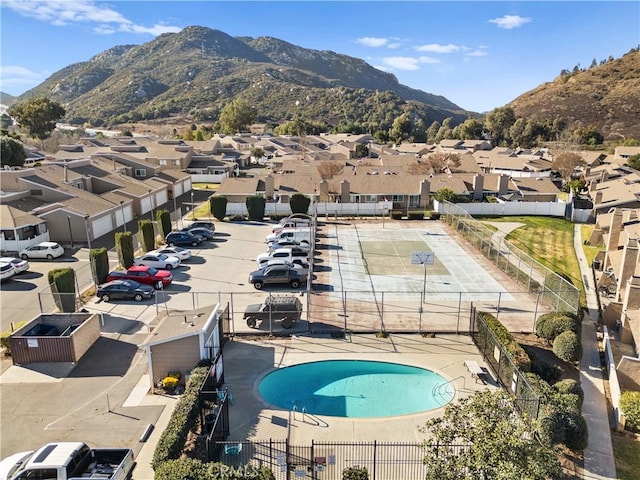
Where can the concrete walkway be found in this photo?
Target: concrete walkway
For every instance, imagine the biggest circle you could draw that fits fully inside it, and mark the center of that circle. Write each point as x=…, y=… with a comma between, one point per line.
x=599, y=462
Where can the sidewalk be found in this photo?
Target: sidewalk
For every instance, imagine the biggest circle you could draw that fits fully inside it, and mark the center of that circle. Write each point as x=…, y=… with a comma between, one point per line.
x=599, y=462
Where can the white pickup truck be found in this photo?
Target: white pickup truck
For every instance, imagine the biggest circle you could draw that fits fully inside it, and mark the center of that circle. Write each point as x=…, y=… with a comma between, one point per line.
x=68, y=461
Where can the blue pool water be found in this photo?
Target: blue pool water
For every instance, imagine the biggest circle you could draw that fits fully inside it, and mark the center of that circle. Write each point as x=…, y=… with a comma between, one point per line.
x=355, y=388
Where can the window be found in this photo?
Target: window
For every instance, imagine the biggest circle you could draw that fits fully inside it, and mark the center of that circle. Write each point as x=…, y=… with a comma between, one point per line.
x=354, y=198
x=398, y=198
x=9, y=234
x=140, y=172
x=371, y=199
x=176, y=162
x=80, y=185
x=414, y=200
x=36, y=192
x=162, y=161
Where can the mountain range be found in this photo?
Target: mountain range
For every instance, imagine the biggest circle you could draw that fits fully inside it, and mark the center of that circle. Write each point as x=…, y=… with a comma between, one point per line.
x=194, y=73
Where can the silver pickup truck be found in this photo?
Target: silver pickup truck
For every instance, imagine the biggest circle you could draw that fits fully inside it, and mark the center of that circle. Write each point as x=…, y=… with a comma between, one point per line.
x=68, y=461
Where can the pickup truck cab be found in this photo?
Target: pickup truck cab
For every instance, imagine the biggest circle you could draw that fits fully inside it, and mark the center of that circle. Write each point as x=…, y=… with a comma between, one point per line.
x=301, y=258
x=276, y=274
x=67, y=461
x=298, y=234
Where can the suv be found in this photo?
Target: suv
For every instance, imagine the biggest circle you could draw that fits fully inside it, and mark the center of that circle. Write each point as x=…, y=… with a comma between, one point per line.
x=287, y=310
x=200, y=224
x=182, y=239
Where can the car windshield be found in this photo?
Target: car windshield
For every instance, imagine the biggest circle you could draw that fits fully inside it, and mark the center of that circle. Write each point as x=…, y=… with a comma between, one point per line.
x=131, y=283
x=152, y=271
x=177, y=249
x=162, y=256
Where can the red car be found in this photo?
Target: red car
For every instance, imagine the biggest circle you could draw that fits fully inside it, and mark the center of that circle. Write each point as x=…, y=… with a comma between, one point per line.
x=143, y=274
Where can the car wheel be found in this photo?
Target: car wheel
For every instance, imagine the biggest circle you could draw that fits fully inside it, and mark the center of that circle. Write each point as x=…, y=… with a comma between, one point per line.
x=194, y=244
x=157, y=285
x=257, y=285
x=49, y=256
x=295, y=284
x=251, y=322
x=168, y=266
x=105, y=297
x=137, y=297
x=286, y=322
x=24, y=256
x=172, y=244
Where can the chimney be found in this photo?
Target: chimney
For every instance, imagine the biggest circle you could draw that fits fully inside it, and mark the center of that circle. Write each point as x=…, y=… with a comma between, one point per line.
x=425, y=193
x=345, y=190
x=629, y=266
x=592, y=185
x=66, y=173
x=269, y=186
x=503, y=184
x=324, y=191
x=478, y=186
x=604, y=176
x=614, y=229
x=598, y=199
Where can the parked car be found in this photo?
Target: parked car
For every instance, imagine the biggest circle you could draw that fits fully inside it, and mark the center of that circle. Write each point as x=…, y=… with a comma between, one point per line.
x=296, y=256
x=182, y=239
x=143, y=274
x=287, y=242
x=160, y=261
x=299, y=266
x=48, y=250
x=201, y=232
x=19, y=264
x=6, y=271
x=125, y=290
x=200, y=224
x=181, y=253
x=276, y=274
x=291, y=223
x=298, y=234
x=286, y=310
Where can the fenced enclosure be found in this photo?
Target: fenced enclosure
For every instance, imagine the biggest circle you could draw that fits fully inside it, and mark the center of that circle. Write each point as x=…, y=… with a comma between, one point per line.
x=327, y=460
x=555, y=291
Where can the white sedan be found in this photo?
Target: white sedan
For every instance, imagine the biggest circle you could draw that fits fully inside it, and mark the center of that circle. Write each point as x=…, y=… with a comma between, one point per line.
x=18, y=264
x=181, y=253
x=159, y=260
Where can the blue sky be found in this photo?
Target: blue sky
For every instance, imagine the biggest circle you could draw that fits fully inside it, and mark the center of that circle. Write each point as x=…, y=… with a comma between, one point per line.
x=480, y=55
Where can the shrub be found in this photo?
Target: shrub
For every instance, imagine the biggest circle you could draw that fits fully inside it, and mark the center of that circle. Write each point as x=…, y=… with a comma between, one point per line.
x=181, y=469
x=255, y=207
x=576, y=434
x=164, y=221
x=218, y=207
x=299, y=203
x=569, y=386
x=355, y=473
x=550, y=325
x=147, y=238
x=630, y=406
x=397, y=214
x=63, y=288
x=567, y=347
x=4, y=338
x=551, y=426
x=183, y=418
x=124, y=245
x=548, y=372
x=99, y=264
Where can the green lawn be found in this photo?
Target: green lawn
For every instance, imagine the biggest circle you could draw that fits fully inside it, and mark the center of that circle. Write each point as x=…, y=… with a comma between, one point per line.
x=548, y=240
x=626, y=450
x=589, y=250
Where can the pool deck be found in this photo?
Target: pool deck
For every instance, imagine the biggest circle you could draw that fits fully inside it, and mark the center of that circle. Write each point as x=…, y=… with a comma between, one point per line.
x=248, y=360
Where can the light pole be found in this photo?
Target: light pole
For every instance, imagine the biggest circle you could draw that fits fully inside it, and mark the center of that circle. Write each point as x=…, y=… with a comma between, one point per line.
x=175, y=208
x=70, y=231
x=124, y=219
x=193, y=208
x=86, y=225
x=151, y=201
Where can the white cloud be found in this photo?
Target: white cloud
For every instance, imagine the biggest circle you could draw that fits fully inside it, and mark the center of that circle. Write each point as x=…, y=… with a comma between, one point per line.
x=21, y=78
x=401, y=63
x=62, y=13
x=372, y=41
x=393, y=46
x=382, y=67
x=407, y=63
x=479, y=52
x=510, y=21
x=437, y=48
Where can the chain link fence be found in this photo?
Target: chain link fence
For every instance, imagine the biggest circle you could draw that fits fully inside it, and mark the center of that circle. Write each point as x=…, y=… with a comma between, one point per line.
x=555, y=291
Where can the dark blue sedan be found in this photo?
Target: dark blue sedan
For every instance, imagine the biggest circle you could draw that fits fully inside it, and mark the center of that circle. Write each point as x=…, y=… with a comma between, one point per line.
x=125, y=290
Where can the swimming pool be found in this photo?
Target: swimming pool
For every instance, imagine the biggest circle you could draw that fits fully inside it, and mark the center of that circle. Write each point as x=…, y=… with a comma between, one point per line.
x=355, y=388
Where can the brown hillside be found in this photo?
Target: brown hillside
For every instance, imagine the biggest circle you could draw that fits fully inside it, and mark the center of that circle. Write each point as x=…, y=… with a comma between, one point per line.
x=606, y=96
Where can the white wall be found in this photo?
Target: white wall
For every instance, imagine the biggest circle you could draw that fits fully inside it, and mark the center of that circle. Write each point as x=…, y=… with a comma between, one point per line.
x=551, y=209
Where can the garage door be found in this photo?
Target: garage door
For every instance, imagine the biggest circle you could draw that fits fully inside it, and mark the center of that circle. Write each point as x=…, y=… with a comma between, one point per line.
x=161, y=198
x=102, y=226
x=177, y=189
x=145, y=205
x=126, y=212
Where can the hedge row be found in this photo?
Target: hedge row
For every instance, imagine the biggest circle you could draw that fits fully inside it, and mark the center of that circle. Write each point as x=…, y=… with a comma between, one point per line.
x=563, y=329
x=163, y=217
x=64, y=293
x=630, y=406
x=100, y=264
x=520, y=357
x=124, y=245
x=182, y=420
x=147, y=239
x=560, y=419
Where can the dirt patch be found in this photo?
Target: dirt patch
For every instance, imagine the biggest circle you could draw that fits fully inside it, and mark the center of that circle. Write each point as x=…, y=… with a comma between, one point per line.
x=539, y=350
